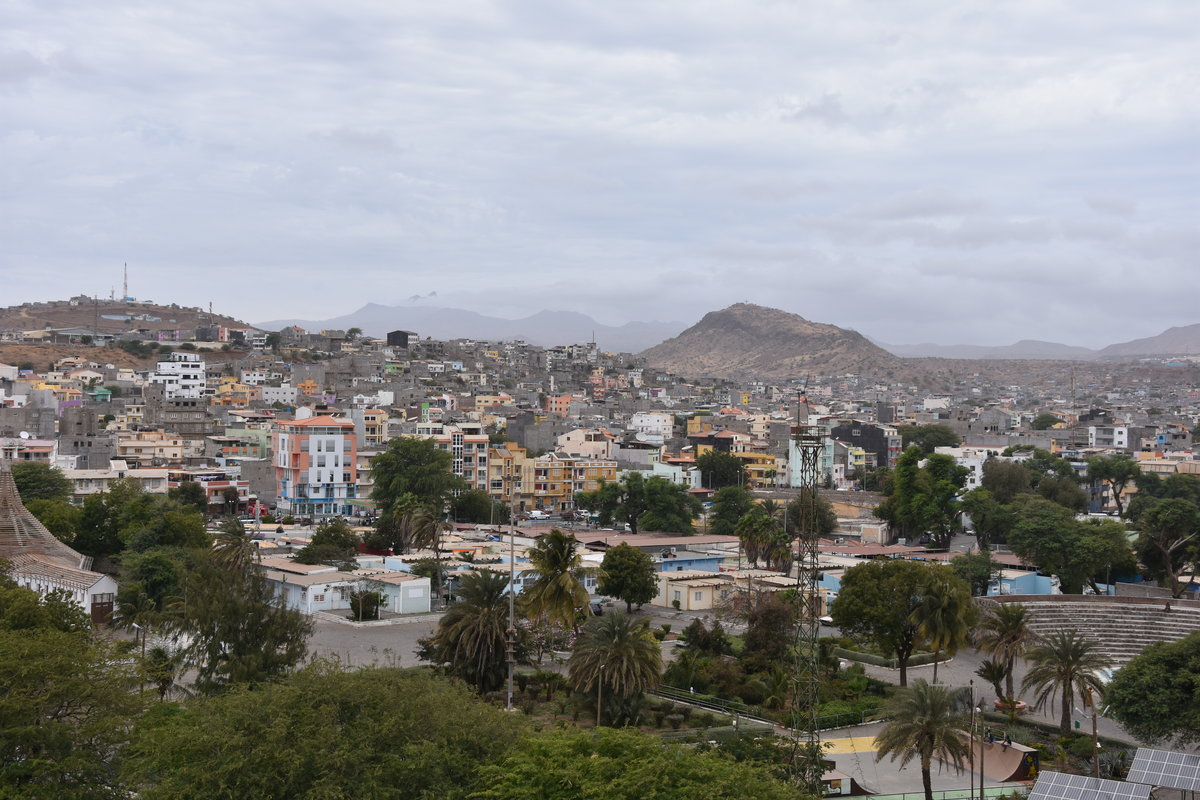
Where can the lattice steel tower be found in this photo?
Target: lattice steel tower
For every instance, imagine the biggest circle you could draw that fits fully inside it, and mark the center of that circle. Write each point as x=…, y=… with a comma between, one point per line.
x=807, y=765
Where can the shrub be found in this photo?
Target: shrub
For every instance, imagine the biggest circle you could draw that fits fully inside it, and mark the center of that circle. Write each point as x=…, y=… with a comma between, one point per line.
x=675, y=721
x=703, y=720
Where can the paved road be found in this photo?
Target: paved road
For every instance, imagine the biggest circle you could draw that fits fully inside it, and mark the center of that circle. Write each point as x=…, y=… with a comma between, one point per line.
x=391, y=645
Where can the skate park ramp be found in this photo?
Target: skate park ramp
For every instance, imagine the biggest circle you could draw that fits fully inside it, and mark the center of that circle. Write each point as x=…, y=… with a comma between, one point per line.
x=1006, y=763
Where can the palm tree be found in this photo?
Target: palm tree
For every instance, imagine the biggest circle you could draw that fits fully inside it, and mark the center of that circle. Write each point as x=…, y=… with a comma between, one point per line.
x=616, y=655
x=922, y=723
x=944, y=614
x=1066, y=663
x=471, y=635
x=557, y=592
x=1006, y=635
x=232, y=547
x=994, y=672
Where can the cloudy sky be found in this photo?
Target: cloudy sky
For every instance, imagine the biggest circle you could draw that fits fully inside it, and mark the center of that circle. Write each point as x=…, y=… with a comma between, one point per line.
x=918, y=170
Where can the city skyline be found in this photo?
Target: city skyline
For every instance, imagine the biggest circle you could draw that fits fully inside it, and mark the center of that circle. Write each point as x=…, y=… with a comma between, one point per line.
x=916, y=173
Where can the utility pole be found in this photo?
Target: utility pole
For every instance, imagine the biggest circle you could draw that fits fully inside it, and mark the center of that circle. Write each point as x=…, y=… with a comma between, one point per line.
x=971, y=738
x=599, y=693
x=807, y=764
x=1095, y=735
x=510, y=635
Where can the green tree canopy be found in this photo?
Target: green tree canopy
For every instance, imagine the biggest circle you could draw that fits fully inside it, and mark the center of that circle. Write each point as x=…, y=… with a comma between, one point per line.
x=1169, y=542
x=476, y=506
x=38, y=481
x=719, y=469
x=60, y=517
x=991, y=519
x=621, y=765
x=978, y=569
x=557, y=591
x=806, y=507
x=1044, y=421
x=1154, y=695
x=1004, y=479
x=878, y=601
x=333, y=542
x=323, y=733
x=618, y=653
x=1048, y=535
x=417, y=467
x=1065, y=664
x=922, y=499
x=1117, y=471
x=239, y=631
x=627, y=573
x=642, y=503
x=190, y=493
x=729, y=506
x=929, y=437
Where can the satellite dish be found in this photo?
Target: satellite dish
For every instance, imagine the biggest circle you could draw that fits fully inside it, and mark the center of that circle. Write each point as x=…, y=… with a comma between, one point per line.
x=25, y=434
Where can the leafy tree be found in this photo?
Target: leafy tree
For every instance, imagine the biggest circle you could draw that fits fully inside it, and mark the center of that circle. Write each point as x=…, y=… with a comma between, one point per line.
x=60, y=517
x=922, y=499
x=476, y=506
x=557, y=592
x=1067, y=663
x=922, y=724
x=978, y=569
x=190, y=493
x=1064, y=491
x=642, y=503
x=68, y=702
x=405, y=525
x=1043, y=464
x=38, y=481
x=991, y=519
x=23, y=609
x=627, y=573
x=945, y=613
x=729, y=506
x=929, y=437
x=417, y=467
x=620, y=765
x=719, y=469
x=427, y=744
x=1048, y=535
x=877, y=601
x=1118, y=471
x=759, y=532
x=810, y=507
x=769, y=631
x=615, y=654
x=273, y=340
x=333, y=542
x=1169, y=542
x=1006, y=634
x=365, y=604
x=1004, y=479
x=471, y=636
x=239, y=631
x=1154, y=695
x=1044, y=421
x=713, y=642
x=353, y=334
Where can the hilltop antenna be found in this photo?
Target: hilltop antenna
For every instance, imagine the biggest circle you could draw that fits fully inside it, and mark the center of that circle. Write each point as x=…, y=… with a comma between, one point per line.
x=125, y=284
x=807, y=766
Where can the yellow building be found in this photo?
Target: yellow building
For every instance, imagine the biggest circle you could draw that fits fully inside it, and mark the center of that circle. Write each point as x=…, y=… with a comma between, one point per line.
x=151, y=448
x=550, y=482
x=374, y=427
x=762, y=469
x=504, y=472
x=231, y=394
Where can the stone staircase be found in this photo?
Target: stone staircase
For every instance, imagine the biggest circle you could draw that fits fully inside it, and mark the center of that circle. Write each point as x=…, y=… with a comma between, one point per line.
x=1122, y=627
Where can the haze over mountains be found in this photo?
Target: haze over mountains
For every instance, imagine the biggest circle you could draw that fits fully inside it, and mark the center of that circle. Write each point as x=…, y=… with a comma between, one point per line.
x=545, y=328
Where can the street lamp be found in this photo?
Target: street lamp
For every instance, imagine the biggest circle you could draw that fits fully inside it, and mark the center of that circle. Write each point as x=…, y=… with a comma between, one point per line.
x=599, y=693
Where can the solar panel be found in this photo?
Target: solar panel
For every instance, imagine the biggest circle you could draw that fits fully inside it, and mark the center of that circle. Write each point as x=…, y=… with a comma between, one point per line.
x=1060, y=786
x=1165, y=768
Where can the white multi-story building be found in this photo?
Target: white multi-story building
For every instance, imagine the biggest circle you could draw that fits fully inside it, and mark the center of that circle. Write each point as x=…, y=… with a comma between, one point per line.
x=468, y=445
x=316, y=466
x=1114, y=436
x=182, y=376
x=655, y=426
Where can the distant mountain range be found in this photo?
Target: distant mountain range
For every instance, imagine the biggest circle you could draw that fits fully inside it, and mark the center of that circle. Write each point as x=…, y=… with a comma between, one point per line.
x=1183, y=341
x=746, y=339
x=545, y=328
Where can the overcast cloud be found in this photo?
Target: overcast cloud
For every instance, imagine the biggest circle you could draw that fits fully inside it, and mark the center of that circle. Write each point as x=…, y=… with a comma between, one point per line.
x=917, y=170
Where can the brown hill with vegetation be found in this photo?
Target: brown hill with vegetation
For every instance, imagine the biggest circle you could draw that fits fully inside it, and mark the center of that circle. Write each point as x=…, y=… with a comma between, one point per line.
x=746, y=339
x=92, y=312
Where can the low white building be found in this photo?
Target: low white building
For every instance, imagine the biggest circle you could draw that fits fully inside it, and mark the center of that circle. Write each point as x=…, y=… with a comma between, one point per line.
x=319, y=587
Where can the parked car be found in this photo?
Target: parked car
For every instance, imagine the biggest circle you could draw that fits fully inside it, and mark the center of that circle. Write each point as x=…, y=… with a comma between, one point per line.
x=537, y=513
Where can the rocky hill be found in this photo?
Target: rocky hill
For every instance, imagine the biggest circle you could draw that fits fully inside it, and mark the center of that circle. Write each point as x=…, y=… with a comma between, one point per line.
x=1180, y=341
x=746, y=339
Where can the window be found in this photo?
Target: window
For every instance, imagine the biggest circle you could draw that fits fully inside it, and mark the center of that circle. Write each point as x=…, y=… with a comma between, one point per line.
x=678, y=595
x=697, y=595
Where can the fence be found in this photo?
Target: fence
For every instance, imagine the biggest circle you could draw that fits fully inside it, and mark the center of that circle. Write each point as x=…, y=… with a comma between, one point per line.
x=1020, y=789
x=756, y=714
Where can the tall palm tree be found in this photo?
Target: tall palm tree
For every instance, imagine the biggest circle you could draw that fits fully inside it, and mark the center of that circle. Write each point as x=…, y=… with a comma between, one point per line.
x=945, y=613
x=993, y=672
x=557, y=591
x=922, y=723
x=617, y=655
x=1065, y=664
x=1006, y=635
x=232, y=546
x=471, y=635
